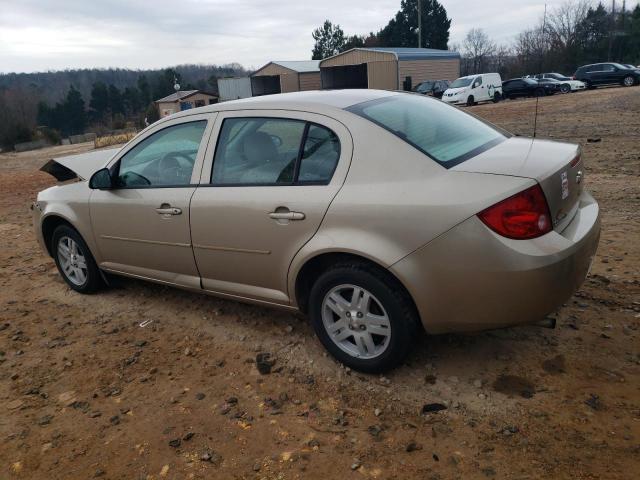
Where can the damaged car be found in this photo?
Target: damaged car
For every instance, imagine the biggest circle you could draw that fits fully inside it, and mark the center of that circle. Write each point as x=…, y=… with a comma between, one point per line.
x=378, y=214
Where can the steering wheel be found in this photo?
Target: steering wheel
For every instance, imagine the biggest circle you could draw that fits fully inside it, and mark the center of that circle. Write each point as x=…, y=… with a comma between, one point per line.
x=169, y=167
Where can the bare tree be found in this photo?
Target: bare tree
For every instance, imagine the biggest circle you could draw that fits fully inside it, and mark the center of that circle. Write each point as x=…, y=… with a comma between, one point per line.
x=477, y=46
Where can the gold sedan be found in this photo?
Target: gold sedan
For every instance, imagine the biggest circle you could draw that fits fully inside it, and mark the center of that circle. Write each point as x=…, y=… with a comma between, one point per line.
x=376, y=213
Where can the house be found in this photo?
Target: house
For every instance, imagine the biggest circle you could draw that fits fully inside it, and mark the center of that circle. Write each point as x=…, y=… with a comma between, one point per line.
x=184, y=100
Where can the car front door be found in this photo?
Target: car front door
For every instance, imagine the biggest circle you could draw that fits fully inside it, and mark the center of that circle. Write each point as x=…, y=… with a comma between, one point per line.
x=479, y=92
x=263, y=194
x=141, y=225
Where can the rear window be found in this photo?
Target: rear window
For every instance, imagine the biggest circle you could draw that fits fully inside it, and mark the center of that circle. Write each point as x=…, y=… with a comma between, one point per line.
x=444, y=133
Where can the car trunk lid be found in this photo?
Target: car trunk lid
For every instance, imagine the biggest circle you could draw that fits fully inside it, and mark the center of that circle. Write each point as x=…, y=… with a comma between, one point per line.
x=556, y=166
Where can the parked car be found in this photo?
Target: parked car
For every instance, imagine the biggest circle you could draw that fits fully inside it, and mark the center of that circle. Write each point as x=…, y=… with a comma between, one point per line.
x=376, y=213
x=567, y=83
x=528, y=87
x=474, y=88
x=607, y=74
x=433, y=88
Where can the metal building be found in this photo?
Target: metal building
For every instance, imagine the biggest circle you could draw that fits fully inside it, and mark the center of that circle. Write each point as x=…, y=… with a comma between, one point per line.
x=289, y=76
x=233, y=88
x=388, y=68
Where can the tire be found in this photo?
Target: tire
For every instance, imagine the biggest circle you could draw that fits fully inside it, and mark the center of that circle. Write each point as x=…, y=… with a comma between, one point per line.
x=565, y=88
x=78, y=268
x=496, y=97
x=590, y=86
x=471, y=101
x=628, y=81
x=390, y=311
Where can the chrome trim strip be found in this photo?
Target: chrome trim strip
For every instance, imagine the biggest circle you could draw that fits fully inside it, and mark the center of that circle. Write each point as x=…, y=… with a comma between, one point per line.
x=230, y=249
x=137, y=240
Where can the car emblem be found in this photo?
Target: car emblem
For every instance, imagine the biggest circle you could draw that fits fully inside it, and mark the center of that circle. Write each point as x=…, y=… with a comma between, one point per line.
x=565, y=185
x=579, y=176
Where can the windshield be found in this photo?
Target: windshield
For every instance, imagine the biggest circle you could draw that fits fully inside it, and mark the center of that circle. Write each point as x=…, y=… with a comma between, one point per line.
x=444, y=133
x=424, y=86
x=462, y=82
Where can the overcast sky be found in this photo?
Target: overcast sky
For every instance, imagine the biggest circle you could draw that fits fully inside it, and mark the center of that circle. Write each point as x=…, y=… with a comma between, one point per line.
x=37, y=35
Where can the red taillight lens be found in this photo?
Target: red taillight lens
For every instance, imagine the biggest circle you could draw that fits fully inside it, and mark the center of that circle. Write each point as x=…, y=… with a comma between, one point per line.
x=523, y=216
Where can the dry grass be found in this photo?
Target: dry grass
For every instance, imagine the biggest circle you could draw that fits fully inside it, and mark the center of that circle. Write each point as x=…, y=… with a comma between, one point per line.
x=117, y=139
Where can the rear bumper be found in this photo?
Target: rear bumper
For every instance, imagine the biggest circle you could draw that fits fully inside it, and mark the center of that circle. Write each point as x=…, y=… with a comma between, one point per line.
x=471, y=279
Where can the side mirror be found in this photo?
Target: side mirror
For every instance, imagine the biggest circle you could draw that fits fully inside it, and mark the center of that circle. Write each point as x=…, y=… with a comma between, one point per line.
x=101, y=180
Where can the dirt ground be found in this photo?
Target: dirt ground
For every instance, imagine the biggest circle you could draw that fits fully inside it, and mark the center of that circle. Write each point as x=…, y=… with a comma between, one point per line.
x=147, y=382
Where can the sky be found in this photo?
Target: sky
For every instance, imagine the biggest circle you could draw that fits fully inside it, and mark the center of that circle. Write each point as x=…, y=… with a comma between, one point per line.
x=40, y=35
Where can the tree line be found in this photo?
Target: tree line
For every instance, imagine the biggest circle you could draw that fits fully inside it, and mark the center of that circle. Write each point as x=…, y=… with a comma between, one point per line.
x=575, y=33
x=400, y=31
x=55, y=104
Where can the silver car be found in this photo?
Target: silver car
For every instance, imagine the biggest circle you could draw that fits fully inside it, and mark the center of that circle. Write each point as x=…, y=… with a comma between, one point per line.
x=376, y=213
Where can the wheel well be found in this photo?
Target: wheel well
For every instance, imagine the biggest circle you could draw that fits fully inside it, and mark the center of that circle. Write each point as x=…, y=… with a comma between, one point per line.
x=49, y=225
x=316, y=266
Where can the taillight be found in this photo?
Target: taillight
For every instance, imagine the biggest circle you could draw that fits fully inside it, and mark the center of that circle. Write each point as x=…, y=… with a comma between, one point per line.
x=522, y=216
x=575, y=161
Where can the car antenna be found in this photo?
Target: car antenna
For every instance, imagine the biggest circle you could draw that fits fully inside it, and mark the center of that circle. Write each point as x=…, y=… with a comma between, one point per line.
x=535, y=117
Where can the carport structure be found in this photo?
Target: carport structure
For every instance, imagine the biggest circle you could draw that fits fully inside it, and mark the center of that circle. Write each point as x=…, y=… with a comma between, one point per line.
x=286, y=76
x=388, y=68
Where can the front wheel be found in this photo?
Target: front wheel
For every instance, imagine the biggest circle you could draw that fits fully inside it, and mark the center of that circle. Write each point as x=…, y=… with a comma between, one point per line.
x=565, y=88
x=471, y=101
x=363, y=317
x=74, y=260
x=628, y=81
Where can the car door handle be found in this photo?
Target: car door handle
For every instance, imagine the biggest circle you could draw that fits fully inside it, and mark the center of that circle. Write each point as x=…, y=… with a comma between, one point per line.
x=287, y=215
x=168, y=211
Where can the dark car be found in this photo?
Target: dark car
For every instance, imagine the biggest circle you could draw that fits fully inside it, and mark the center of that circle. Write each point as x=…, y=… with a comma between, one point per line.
x=567, y=84
x=607, y=74
x=434, y=88
x=527, y=87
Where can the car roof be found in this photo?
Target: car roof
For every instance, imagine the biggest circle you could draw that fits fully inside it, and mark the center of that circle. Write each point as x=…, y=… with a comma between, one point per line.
x=315, y=100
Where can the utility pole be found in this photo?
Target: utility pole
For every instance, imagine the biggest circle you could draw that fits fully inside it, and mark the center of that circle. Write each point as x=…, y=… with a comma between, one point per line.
x=419, y=23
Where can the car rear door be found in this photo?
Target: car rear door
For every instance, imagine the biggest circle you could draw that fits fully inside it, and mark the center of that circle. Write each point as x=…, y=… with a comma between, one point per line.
x=141, y=226
x=264, y=191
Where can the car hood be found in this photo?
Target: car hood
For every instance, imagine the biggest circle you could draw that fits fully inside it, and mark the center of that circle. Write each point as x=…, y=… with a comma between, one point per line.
x=453, y=91
x=80, y=166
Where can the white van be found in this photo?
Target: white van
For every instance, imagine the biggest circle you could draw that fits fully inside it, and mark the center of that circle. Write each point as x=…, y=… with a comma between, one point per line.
x=473, y=89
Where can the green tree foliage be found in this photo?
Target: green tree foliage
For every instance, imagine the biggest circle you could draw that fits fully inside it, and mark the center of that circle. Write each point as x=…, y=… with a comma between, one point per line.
x=116, y=102
x=329, y=40
x=145, y=89
x=99, y=102
x=402, y=30
x=69, y=117
x=354, y=41
x=165, y=82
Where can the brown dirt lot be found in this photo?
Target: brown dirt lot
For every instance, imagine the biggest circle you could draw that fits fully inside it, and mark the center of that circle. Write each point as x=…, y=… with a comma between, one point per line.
x=86, y=392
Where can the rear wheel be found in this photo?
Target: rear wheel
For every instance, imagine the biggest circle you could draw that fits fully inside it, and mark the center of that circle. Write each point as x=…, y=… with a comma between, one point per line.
x=470, y=101
x=628, y=81
x=363, y=317
x=497, y=97
x=74, y=260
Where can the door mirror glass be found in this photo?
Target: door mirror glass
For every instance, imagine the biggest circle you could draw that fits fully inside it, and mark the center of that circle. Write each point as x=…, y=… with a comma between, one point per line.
x=101, y=180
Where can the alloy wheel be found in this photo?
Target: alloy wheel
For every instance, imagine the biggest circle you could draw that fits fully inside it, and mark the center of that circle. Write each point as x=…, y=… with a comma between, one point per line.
x=72, y=261
x=628, y=81
x=356, y=321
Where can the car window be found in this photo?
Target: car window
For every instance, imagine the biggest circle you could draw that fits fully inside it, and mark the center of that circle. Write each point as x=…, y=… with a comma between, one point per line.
x=319, y=156
x=462, y=82
x=477, y=82
x=162, y=159
x=263, y=151
x=444, y=133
